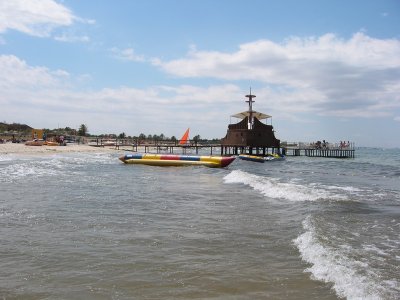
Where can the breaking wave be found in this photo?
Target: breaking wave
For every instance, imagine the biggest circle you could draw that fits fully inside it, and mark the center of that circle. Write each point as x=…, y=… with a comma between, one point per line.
x=344, y=266
x=273, y=188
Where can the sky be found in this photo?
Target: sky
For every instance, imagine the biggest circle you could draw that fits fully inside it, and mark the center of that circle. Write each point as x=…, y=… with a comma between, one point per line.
x=322, y=69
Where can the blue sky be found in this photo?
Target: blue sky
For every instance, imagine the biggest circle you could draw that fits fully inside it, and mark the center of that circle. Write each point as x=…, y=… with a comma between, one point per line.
x=323, y=69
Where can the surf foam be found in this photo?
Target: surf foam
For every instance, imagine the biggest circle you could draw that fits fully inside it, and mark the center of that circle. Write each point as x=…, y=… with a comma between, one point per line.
x=351, y=278
x=273, y=188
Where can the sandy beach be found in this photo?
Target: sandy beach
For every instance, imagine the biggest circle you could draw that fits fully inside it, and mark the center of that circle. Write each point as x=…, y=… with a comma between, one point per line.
x=10, y=148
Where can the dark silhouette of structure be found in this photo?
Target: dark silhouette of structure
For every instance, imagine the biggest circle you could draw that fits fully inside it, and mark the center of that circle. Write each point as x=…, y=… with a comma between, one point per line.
x=250, y=133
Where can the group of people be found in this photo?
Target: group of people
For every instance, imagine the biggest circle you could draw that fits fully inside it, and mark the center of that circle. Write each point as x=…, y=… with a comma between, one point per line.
x=343, y=144
x=321, y=145
x=325, y=145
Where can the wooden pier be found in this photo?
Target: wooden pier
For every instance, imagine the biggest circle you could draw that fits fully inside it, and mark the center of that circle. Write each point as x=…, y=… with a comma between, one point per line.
x=328, y=150
x=333, y=153
x=316, y=150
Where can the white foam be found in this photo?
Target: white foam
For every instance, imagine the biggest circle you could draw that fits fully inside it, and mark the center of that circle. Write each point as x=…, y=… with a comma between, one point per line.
x=50, y=166
x=26, y=168
x=374, y=249
x=351, y=278
x=84, y=158
x=5, y=158
x=21, y=170
x=273, y=188
x=344, y=188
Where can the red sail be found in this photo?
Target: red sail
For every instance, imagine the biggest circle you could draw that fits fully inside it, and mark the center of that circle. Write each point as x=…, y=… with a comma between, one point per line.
x=185, y=137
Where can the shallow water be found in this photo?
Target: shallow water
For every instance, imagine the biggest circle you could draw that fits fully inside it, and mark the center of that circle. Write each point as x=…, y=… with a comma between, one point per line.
x=86, y=226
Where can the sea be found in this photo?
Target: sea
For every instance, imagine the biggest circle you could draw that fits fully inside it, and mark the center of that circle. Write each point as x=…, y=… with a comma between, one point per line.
x=87, y=226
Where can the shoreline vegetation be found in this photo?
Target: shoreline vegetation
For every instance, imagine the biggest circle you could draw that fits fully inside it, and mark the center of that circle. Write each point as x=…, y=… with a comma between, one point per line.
x=20, y=133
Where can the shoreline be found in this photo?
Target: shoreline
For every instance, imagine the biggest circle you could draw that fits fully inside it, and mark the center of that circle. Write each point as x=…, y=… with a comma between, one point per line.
x=20, y=149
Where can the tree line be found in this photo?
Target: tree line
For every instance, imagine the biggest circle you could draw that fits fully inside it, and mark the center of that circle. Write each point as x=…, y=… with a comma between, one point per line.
x=84, y=132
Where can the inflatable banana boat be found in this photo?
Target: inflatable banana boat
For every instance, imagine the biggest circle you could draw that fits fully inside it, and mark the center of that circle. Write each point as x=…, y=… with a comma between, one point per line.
x=252, y=158
x=261, y=159
x=177, y=160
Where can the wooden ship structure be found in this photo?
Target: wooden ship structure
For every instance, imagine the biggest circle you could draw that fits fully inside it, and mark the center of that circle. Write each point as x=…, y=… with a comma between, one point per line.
x=250, y=135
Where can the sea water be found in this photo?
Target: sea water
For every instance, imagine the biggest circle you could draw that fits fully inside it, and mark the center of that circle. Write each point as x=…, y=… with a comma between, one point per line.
x=86, y=226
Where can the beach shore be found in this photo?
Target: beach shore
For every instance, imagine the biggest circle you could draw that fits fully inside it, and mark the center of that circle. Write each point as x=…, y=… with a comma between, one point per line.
x=10, y=148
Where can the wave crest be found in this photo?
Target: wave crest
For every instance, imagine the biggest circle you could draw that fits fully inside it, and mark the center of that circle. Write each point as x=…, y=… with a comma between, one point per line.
x=273, y=188
x=352, y=278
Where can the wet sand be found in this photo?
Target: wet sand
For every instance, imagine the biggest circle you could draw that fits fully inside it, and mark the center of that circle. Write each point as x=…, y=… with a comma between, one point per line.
x=10, y=148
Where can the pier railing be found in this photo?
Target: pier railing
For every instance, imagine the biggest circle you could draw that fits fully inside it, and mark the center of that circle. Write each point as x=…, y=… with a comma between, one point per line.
x=320, y=149
x=312, y=145
x=157, y=146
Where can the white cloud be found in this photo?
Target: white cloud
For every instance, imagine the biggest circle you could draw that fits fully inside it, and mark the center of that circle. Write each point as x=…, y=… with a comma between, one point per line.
x=397, y=119
x=37, y=18
x=72, y=38
x=285, y=63
x=127, y=54
x=27, y=93
x=86, y=21
x=326, y=74
x=16, y=74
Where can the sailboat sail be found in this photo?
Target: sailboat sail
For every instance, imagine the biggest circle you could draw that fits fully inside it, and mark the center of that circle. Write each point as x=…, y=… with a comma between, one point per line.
x=185, y=137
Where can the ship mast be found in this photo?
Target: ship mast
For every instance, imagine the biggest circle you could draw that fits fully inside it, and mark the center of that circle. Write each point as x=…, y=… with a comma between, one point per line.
x=250, y=101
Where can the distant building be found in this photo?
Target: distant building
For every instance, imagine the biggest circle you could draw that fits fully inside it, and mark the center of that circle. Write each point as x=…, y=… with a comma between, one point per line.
x=37, y=134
